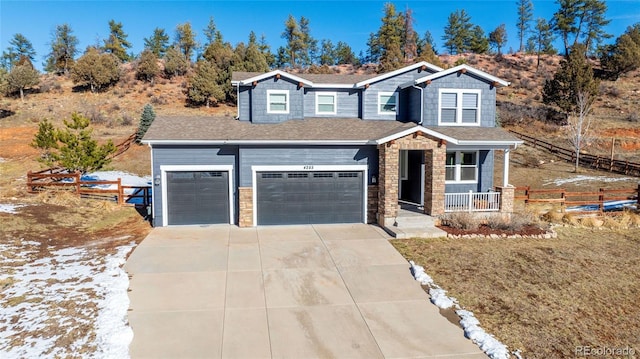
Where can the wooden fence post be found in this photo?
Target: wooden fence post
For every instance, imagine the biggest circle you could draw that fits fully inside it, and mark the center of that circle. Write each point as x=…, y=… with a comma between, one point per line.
x=76, y=177
x=638, y=193
x=120, y=192
x=562, y=203
x=601, y=200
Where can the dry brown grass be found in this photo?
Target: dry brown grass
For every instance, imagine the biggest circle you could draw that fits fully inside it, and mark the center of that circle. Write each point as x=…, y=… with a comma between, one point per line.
x=544, y=297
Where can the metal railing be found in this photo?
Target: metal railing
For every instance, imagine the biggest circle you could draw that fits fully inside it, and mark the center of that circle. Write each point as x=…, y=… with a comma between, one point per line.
x=472, y=202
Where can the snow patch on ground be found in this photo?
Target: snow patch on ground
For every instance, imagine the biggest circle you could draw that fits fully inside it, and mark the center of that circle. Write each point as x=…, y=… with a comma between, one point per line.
x=583, y=178
x=127, y=179
x=10, y=208
x=71, y=303
x=487, y=343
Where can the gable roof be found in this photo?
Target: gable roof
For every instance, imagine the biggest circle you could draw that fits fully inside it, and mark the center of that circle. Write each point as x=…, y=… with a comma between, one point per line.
x=327, y=80
x=318, y=131
x=463, y=68
x=266, y=75
x=397, y=72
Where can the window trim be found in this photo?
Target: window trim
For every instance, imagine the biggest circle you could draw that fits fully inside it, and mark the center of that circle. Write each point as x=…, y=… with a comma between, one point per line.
x=458, y=167
x=286, y=104
x=335, y=102
x=388, y=113
x=459, y=108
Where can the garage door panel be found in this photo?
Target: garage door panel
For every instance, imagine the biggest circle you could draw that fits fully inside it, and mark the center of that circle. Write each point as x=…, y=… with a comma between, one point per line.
x=197, y=197
x=312, y=197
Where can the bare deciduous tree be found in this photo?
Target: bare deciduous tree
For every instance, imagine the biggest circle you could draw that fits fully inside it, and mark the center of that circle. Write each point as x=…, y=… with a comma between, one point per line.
x=579, y=124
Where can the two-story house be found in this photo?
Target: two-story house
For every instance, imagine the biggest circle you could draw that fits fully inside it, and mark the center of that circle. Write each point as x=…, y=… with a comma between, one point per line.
x=332, y=149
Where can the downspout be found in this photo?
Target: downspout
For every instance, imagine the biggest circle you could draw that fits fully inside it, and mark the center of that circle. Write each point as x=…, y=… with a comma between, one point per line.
x=238, y=101
x=421, y=103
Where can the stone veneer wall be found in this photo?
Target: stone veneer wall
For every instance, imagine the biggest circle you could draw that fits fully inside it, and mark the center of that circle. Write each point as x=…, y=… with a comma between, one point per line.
x=246, y=206
x=435, y=157
x=372, y=203
x=507, y=198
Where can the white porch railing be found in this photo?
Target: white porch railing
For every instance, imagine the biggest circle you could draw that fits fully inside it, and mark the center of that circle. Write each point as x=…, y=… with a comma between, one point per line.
x=472, y=202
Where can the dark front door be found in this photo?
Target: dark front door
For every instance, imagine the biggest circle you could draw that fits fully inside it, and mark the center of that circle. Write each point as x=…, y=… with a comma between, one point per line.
x=198, y=197
x=411, y=176
x=309, y=197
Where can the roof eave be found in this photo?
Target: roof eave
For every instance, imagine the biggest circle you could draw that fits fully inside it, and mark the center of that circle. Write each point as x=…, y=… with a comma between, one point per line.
x=257, y=142
x=479, y=73
x=387, y=75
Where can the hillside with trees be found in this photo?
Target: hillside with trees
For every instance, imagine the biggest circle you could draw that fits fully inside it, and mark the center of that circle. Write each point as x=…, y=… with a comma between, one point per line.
x=187, y=71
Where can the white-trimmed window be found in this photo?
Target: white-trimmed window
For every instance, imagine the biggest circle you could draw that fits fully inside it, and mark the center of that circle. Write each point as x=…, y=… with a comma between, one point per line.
x=277, y=101
x=387, y=103
x=461, y=167
x=459, y=107
x=326, y=103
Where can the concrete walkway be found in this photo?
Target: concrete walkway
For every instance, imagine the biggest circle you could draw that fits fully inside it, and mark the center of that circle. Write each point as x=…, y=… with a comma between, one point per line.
x=321, y=291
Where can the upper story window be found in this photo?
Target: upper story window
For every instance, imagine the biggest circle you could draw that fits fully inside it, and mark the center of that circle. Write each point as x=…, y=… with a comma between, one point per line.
x=459, y=107
x=387, y=103
x=277, y=101
x=326, y=103
x=461, y=167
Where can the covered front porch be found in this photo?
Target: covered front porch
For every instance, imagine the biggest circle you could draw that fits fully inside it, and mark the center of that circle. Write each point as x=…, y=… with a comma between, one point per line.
x=438, y=173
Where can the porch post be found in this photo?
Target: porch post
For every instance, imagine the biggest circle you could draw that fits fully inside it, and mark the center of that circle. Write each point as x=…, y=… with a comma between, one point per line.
x=505, y=169
x=387, y=183
x=434, y=178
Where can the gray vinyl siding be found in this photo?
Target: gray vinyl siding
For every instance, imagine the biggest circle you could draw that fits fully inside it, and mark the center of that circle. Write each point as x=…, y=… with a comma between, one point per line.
x=259, y=101
x=485, y=176
x=310, y=155
x=463, y=81
x=187, y=156
x=348, y=102
x=244, y=103
x=370, y=95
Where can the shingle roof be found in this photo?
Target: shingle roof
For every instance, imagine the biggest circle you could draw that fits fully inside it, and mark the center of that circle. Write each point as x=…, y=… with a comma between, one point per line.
x=315, y=78
x=221, y=129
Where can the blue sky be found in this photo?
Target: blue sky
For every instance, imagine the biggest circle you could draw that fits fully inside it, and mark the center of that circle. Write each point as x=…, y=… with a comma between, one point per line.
x=349, y=21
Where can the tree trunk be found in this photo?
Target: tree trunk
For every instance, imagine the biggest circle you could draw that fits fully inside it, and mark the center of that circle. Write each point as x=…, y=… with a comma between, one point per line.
x=207, y=102
x=577, y=165
x=22, y=94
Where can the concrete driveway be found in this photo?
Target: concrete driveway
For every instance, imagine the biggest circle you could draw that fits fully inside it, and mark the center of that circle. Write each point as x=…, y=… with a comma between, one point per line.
x=321, y=291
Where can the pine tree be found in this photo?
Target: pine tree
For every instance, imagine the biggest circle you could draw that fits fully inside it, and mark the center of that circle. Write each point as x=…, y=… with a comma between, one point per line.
x=457, y=32
x=73, y=147
x=373, y=49
x=22, y=76
x=580, y=19
x=327, y=53
x=478, y=43
x=525, y=15
x=203, y=84
x=294, y=39
x=253, y=59
x=309, y=50
x=63, y=50
x=146, y=119
x=19, y=46
x=427, y=54
x=542, y=40
x=390, y=39
x=344, y=54
x=498, y=38
x=158, y=43
x=624, y=55
x=185, y=40
x=211, y=32
x=265, y=49
x=45, y=140
x=96, y=70
x=117, y=43
x=147, y=66
x=410, y=37
x=574, y=76
x=175, y=64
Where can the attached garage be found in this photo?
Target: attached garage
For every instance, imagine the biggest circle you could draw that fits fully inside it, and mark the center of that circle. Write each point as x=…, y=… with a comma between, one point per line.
x=197, y=197
x=309, y=197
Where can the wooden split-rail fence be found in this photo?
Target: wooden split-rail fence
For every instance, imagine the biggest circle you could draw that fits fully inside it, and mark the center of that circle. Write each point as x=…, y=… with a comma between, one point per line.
x=586, y=160
x=57, y=178
x=594, y=201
